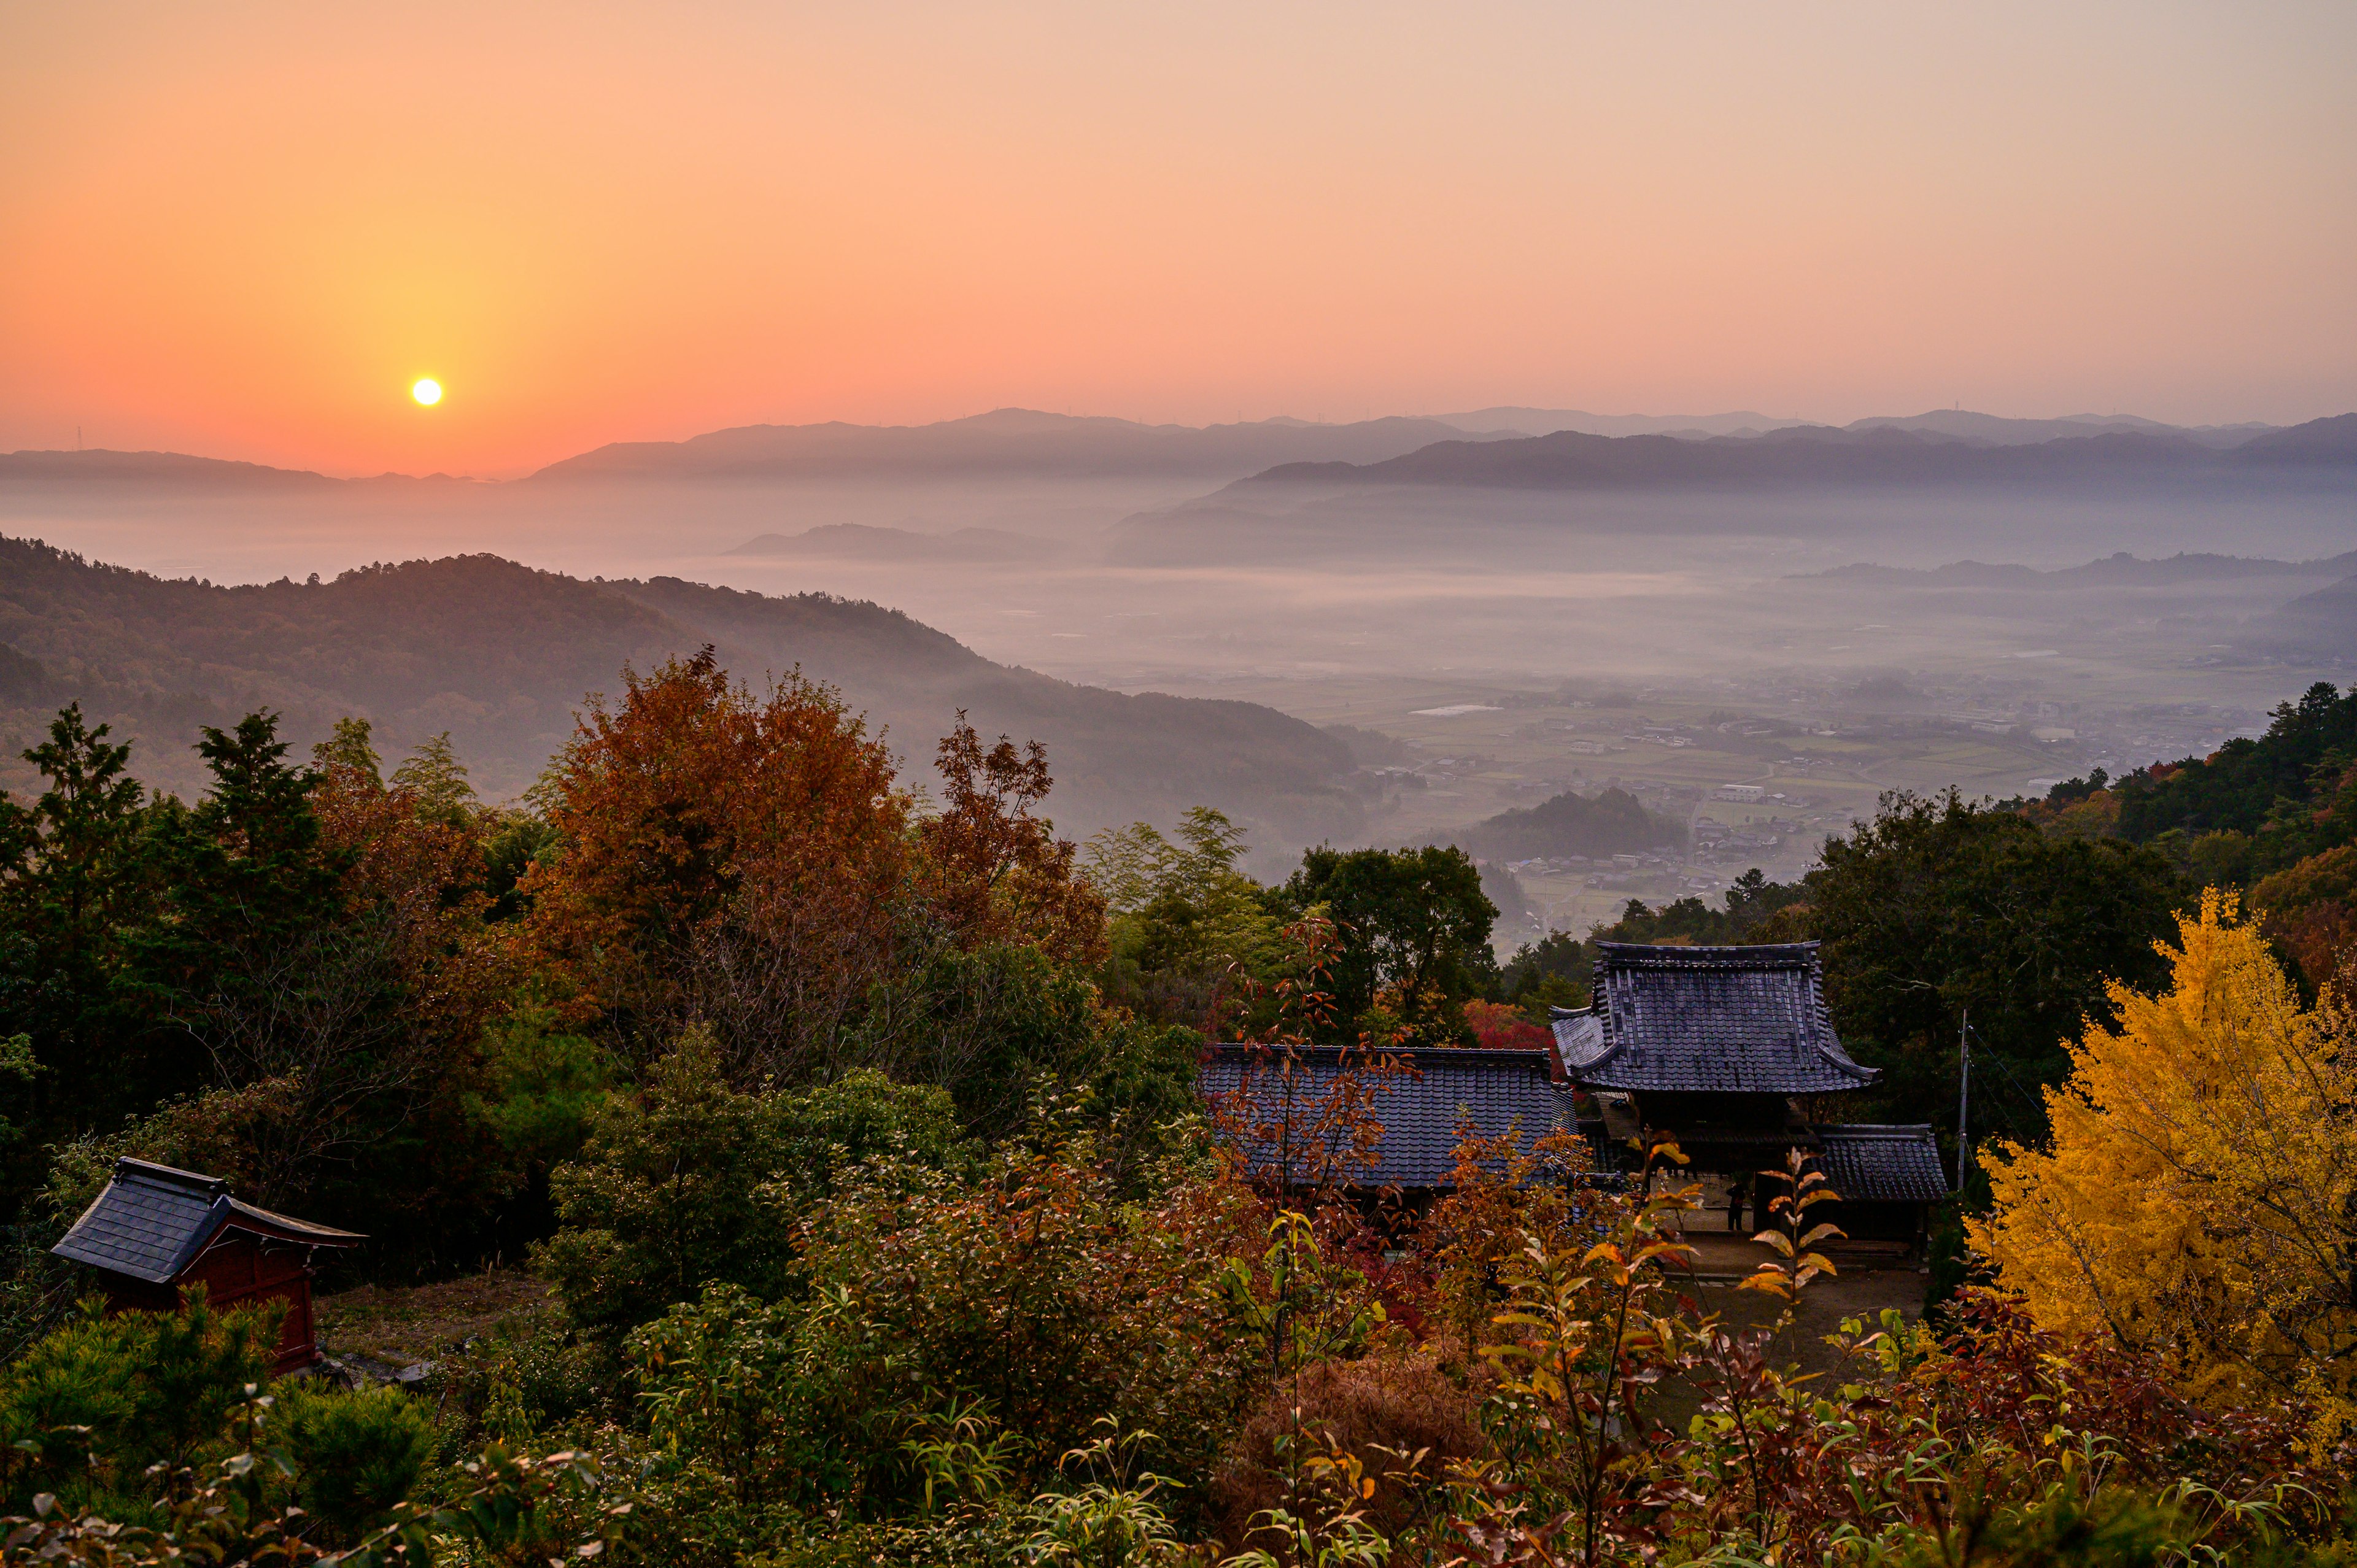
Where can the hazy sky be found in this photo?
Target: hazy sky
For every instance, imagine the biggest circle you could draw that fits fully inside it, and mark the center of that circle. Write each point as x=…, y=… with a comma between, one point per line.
x=244, y=229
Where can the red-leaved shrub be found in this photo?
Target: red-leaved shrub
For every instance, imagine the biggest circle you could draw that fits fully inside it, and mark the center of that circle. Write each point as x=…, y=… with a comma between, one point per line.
x=1403, y=1403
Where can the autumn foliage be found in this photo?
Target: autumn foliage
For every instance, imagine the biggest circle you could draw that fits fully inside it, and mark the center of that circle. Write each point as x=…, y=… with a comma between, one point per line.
x=729, y=859
x=2198, y=1201
x=992, y=869
x=855, y=1130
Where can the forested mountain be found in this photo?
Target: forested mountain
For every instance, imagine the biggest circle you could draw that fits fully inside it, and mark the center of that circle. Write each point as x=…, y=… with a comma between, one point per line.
x=501, y=655
x=1610, y=823
x=2274, y=815
x=2322, y=451
x=1006, y=441
x=2321, y=624
x=2276, y=787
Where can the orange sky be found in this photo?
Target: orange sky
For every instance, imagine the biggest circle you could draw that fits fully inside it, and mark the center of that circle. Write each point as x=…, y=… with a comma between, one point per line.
x=244, y=229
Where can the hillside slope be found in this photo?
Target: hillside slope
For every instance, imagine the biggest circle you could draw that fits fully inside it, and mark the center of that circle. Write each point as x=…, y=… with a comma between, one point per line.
x=1006, y=441
x=2323, y=450
x=501, y=655
x=1608, y=822
x=2318, y=624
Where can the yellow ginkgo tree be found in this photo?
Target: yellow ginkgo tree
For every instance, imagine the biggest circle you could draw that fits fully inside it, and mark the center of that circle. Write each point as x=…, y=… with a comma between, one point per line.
x=2198, y=1199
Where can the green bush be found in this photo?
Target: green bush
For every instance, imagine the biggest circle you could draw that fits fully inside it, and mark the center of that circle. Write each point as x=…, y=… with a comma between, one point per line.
x=689, y=1183
x=92, y=1405
x=355, y=1455
x=525, y=1388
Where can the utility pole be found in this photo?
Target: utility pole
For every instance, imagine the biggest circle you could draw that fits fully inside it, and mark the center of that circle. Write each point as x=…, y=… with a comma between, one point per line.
x=1963, y=1096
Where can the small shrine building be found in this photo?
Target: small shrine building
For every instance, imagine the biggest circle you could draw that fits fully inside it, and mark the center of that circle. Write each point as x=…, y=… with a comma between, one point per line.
x=157, y=1230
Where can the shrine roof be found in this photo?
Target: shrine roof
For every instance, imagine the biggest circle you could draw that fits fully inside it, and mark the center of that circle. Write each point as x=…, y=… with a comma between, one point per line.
x=1424, y=1100
x=1743, y=1020
x=153, y=1220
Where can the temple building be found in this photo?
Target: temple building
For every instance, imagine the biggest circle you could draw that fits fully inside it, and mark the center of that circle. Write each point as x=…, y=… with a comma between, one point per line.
x=1425, y=1099
x=1728, y=1050
x=1732, y=1052
x=157, y=1230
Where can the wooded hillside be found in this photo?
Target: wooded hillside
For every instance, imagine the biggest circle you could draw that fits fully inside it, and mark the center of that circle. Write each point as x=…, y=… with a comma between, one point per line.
x=501, y=656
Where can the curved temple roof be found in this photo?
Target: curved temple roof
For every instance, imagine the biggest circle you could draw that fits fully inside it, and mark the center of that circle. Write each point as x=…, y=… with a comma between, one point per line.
x=1424, y=1105
x=1867, y=1163
x=153, y=1221
x=1747, y=1020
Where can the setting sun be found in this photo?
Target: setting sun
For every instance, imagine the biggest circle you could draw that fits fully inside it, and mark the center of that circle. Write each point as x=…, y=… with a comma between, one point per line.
x=427, y=390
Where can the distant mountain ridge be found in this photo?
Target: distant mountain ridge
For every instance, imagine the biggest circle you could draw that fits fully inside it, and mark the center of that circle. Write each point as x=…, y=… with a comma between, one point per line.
x=862, y=542
x=1005, y=441
x=101, y=465
x=1989, y=429
x=1027, y=441
x=1547, y=421
x=1824, y=455
x=2114, y=570
x=1964, y=425
x=501, y=655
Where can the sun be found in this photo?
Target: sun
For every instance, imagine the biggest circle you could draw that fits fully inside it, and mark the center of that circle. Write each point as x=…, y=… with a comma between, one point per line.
x=427, y=392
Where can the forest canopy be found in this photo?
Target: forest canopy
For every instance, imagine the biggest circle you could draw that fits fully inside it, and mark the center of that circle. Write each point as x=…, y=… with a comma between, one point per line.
x=498, y=655
x=1610, y=821
x=868, y=1208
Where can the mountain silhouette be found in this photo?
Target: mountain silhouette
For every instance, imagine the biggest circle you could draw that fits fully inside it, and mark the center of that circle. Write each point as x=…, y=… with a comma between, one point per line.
x=1824, y=455
x=1026, y=442
x=501, y=655
x=2321, y=625
x=1007, y=441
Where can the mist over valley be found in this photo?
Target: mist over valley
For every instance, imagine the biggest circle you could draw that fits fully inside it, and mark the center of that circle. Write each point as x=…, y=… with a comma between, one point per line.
x=1604, y=610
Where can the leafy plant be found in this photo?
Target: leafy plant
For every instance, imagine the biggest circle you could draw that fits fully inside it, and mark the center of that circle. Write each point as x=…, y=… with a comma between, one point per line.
x=357, y=1454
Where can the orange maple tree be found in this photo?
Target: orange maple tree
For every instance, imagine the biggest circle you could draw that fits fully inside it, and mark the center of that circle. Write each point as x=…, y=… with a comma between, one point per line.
x=416, y=879
x=725, y=859
x=991, y=870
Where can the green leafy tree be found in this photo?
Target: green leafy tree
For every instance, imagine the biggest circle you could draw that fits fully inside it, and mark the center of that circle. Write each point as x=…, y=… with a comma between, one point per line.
x=691, y=1183
x=351, y=746
x=1939, y=906
x=1413, y=938
x=1194, y=941
x=260, y=974
x=244, y=887
x=71, y=884
x=432, y=774
x=1750, y=905
x=996, y=1025
x=1550, y=973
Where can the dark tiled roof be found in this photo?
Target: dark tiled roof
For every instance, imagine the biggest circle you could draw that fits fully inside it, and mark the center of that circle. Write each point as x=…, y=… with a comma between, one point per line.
x=1882, y=1164
x=149, y=1223
x=1420, y=1110
x=152, y=1221
x=1724, y=1020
